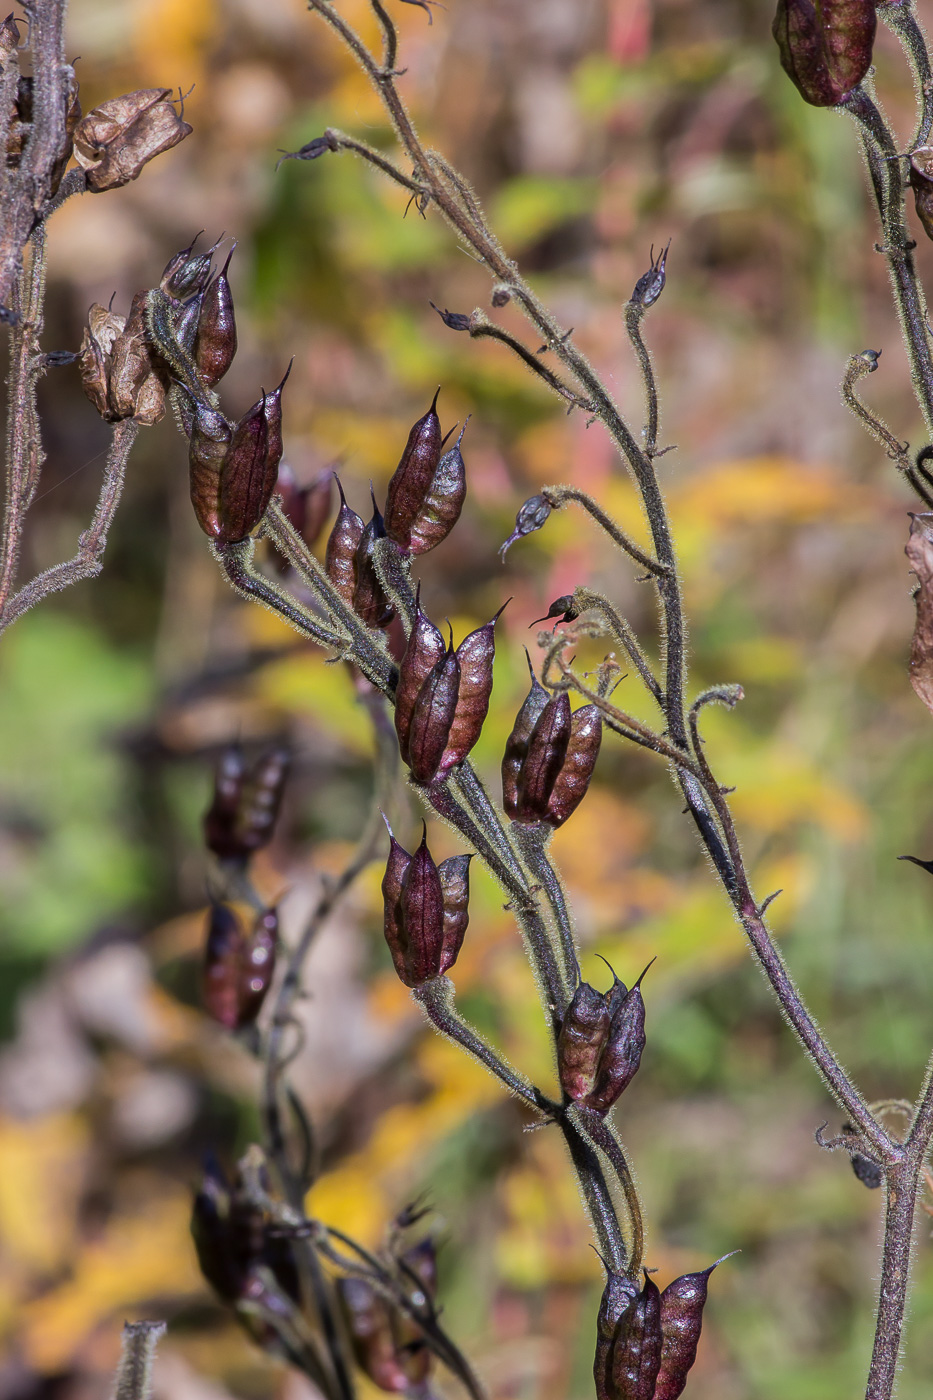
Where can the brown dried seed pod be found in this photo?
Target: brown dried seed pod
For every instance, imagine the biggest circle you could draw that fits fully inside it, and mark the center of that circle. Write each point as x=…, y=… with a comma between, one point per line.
x=547, y=749
x=531, y=516
x=682, y=1304
x=369, y=599
x=342, y=545
x=136, y=386
x=9, y=37
x=422, y=909
x=618, y=1296
x=251, y=466
x=621, y=1056
x=475, y=654
x=207, y=448
x=215, y=340
x=187, y=273
x=570, y=786
x=262, y=800
x=581, y=1041
x=432, y=717
x=413, y=477
x=220, y=819
x=636, y=1351
x=396, y=866
x=455, y=887
x=425, y=648
x=516, y=747
x=442, y=503
x=116, y=140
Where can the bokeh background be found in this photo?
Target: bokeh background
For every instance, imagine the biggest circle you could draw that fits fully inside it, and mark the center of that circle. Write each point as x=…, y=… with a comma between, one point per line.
x=591, y=130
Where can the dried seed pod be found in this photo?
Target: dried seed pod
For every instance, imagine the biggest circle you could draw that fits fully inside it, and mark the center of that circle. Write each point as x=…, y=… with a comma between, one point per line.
x=531, y=517
x=516, y=747
x=826, y=46
x=220, y=819
x=424, y=650
x=115, y=140
x=102, y=329
x=582, y=1039
x=421, y=1259
x=187, y=273
x=136, y=385
x=238, y=966
x=432, y=717
x=258, y=966
x=475, y=657
x=619, y=1295
x=369, y=1324
x=232, y=1237
x=621, y=1056
x=207, y=451
x=215, y=338
x=921, y=182
x=570, y=786
x=261, y=800
x=682, y=1304
x=9, y=37
x=632, y=1359
x=369, y=599
x=562, y=608
x=413, y=476
x=425, y=911
x=442, y=503
x=251, y=465
x=650, y=284
x=547, y=749
x=342, y=545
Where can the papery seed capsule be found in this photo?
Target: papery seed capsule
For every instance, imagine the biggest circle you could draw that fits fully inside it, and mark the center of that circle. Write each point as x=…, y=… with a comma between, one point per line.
x=424, y=650
x=562, y=608
x=262, y=799
x=413, y=477
x=369, y=1325
x=396, y=866
x=187, y=273
x=571, y=783
x=369, y=599
x=582, y=1040
x=422, y=915
x=547, y=749
x=516, y=747
x=443, y=501
x=251, y=466
x=921, y=182
x=215, y=338
x=454, y=876
x=117, y=139
x=9, y=37
x=826, y=46
x=650, y=284
x=635, y=1357
x=531, y=516
x=475, y=657
x=136, y=386
x=342, y=545
x=432, y=717
x=625, y=1042
x=682, y=1304
x=93, y=367
x=220, y=819
x=618, y=1296
x=207, y=449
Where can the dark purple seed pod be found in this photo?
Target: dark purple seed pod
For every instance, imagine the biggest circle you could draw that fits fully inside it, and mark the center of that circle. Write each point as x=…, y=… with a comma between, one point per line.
x=369, y=600
x=186, y=322
x=251, y=466
x=342, y=545
x=475, y=654
x=262, y=799
x=413, y=476
x=210, y=1229
x=826, y=46
x=582, y=1040
x=422, y=910
x=215, y=339
x=257, y=966
x=421, y=1259
x=187, y=273
x=635, y=1357
x=369, y=1325
x=220, y=819
x=650, y=284
x=396, y=866
x=222, y=962
x=920, y=172
x=454, y=876
x=207, y=451
x=571, y=783
x=618, y=1296
x=531, y=517
x=432, y=717
x=516, y=747
x=424, y=650
x=547, y=749
x=625, y=1042
x=682, y=1304
x=443, y=501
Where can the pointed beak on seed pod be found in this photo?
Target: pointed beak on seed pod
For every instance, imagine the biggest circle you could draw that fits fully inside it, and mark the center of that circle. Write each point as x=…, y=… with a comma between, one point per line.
x=413, y=476
x=826, y=46
x=600, y=1043
x=187, y=273
x=549, y=757
x=238, y=965
x=426, y=911
x=444, y=697
x=682, y=1304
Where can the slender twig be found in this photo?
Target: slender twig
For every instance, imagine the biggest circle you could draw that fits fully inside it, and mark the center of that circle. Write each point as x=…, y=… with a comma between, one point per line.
x=557, y=496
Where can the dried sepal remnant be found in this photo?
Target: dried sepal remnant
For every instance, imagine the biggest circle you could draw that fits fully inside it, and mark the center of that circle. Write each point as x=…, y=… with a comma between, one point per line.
x=600, y=1043
x=425, y=911
x=444, y=697
x=238, y=965
x=114, y=141
x=919, y=551
x=826, y=46
x=246, y=803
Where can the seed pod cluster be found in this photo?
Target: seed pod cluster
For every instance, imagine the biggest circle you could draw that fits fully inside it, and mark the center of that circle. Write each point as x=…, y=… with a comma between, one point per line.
x=600, y=1043
x=549, y=757
x=427, y=490
x=388, y=1346
x=825, y=45
x=442, y=697
x=245, y=804
x=426, y=911
x=233, y=1240
x=647, y=1340
x=116, y=140
x=238, y=965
